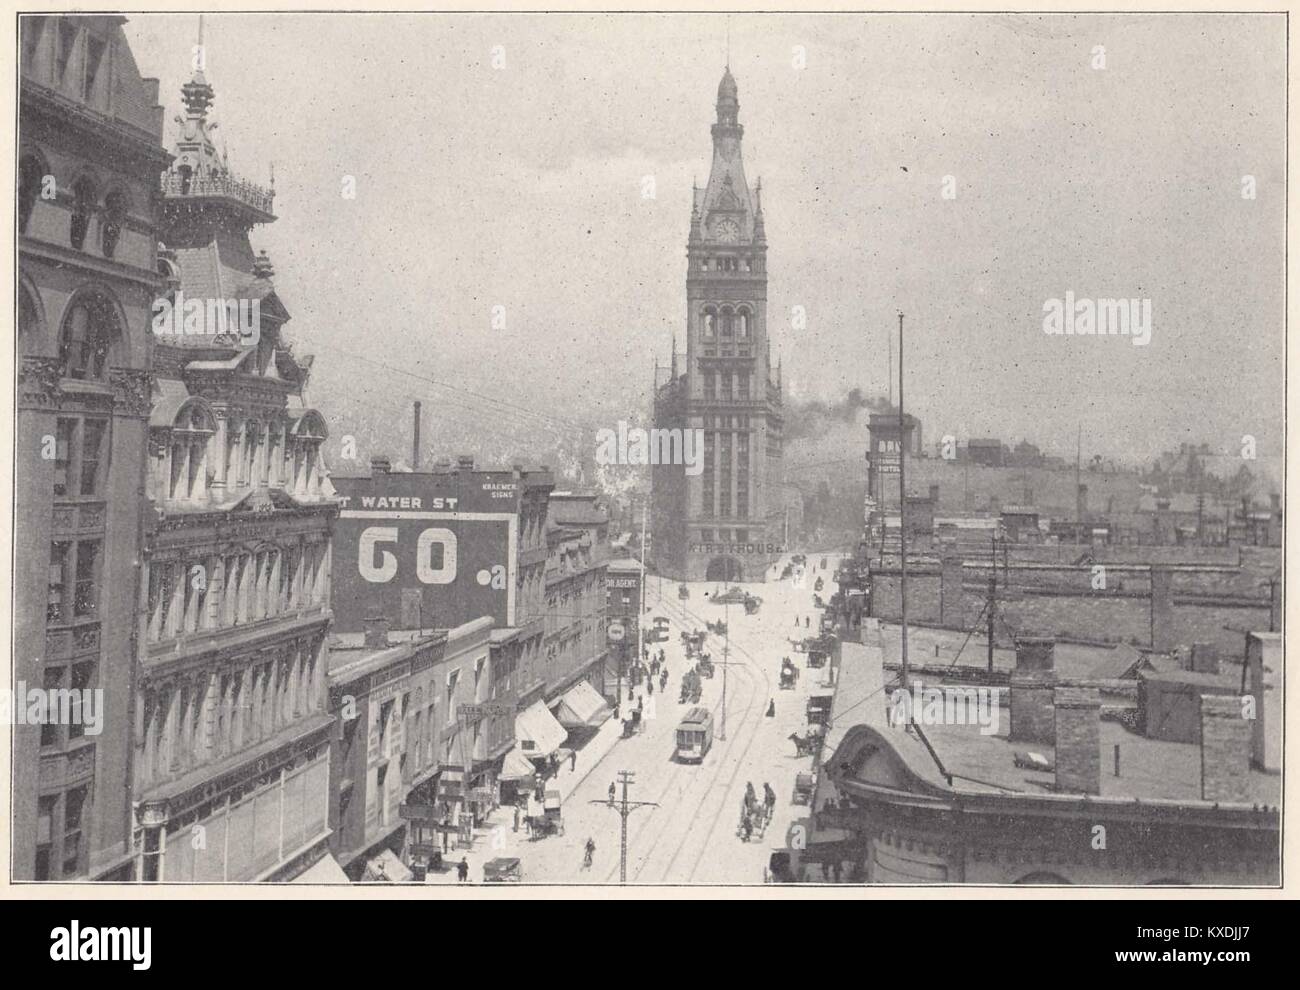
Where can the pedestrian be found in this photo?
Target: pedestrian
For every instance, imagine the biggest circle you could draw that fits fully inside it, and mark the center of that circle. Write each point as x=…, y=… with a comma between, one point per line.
x=771, y=708
x=462, y=870
x=796, y=620
x=589, y=850
x=826, y=872
x=806, y=620
x=836, y=869
x=516, y=818
x=649, y=686
x=573, y=761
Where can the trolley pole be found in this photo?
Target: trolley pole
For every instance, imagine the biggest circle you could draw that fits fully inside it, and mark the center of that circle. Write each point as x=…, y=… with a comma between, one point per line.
x=625, y=808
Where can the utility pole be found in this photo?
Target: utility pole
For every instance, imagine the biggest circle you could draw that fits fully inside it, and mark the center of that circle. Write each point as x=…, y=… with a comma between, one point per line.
x=726, y=657
x=640, y=619
x=993, y=595
x=626, y=778
x=902, y=504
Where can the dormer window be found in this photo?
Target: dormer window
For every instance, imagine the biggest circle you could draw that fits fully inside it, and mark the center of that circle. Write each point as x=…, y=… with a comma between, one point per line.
x=67, y=41
x=94, y=57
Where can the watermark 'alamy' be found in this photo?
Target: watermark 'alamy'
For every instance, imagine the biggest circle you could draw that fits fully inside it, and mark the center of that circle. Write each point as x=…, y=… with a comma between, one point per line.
x=946, y=706
x=207, y=317
x=1099, y=317
x=53, y=706
x=654, y=446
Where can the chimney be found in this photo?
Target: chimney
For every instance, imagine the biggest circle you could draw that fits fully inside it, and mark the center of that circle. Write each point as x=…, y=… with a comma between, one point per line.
x=1078, y=739
x=1035, y=653
x=379, y=464
x=1162, y=610
x=1225, y=750
x=415, y=439
x=1205, y=658
x=376, y=632
x=1033, y=717
x=1263, y=665
x=465, y=462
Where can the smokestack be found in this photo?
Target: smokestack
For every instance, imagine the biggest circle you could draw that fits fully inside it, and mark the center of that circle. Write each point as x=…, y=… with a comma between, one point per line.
x=415, y=440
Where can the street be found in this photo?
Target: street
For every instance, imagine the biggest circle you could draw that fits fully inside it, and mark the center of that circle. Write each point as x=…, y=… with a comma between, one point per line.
x=690, y=835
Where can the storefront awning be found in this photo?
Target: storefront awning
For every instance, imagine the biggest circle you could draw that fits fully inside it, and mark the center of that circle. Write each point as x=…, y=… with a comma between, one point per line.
x=581, y=707
x=516, y=766
x=537, y=732
x=387, y=867
x=324, y=870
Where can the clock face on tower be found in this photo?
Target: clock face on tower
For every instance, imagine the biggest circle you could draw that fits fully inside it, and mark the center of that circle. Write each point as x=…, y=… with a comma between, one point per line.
x=726, y=230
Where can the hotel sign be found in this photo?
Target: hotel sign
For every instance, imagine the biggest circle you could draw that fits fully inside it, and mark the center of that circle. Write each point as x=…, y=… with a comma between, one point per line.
x=738, y=548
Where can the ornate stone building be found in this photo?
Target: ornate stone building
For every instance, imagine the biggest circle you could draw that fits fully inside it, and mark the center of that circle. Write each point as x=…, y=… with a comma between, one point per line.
x=725, y=521
x=232, y=729
x=90, y=150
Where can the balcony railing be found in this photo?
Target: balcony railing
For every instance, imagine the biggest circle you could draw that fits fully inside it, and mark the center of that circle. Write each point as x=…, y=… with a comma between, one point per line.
x=176, y=184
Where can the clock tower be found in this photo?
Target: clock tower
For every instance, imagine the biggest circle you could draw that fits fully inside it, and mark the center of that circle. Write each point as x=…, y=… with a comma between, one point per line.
x=724, y=521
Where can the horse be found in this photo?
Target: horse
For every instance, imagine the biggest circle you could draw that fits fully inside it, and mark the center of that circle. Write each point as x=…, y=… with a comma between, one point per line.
x=803, y=745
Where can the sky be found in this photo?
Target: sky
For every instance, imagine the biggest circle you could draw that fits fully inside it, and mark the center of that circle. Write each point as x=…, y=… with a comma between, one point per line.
x=499, y=245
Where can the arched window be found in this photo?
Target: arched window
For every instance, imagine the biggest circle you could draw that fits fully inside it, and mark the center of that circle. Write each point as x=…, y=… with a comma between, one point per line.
x=88, y=331
x=192, y=429
x=186, y=173
x=31, y=173
x=742, y=324
x=114, y=218
x=82, y=208
x=727, y=321
x=709, y=323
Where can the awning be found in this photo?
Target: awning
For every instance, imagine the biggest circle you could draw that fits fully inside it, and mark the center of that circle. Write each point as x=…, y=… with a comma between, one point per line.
x=387, y=867
x=537, y=732
x=582, y=707
x=516, y=766
x=324, y=870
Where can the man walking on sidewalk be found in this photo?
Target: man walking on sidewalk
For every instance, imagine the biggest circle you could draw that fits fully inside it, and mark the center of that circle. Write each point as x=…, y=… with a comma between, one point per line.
x=573, y=761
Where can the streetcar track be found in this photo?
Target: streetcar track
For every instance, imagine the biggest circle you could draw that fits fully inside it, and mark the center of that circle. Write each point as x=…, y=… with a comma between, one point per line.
x=644, y=860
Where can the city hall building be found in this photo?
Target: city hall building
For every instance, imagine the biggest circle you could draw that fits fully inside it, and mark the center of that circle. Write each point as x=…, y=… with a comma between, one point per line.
x=722, y=519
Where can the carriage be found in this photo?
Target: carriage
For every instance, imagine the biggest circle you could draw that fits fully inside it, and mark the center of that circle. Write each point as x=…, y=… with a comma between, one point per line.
x=718, y=628
x=692, y=688
x=803, y=788
x=789, y=675
x=705, y=666
x=632, y=724
x=819, y=709
x=819, y=584
x=683, y=592
x=544, y=817
x=503, y=869
x=808, y=744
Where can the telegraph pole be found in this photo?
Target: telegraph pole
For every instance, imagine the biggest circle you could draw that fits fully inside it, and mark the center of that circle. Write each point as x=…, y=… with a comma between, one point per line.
x=902, y=503
x=993, y=595
x=625, y=808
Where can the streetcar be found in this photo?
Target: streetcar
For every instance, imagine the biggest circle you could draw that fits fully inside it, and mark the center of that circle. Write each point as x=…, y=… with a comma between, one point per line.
x=694, y=736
